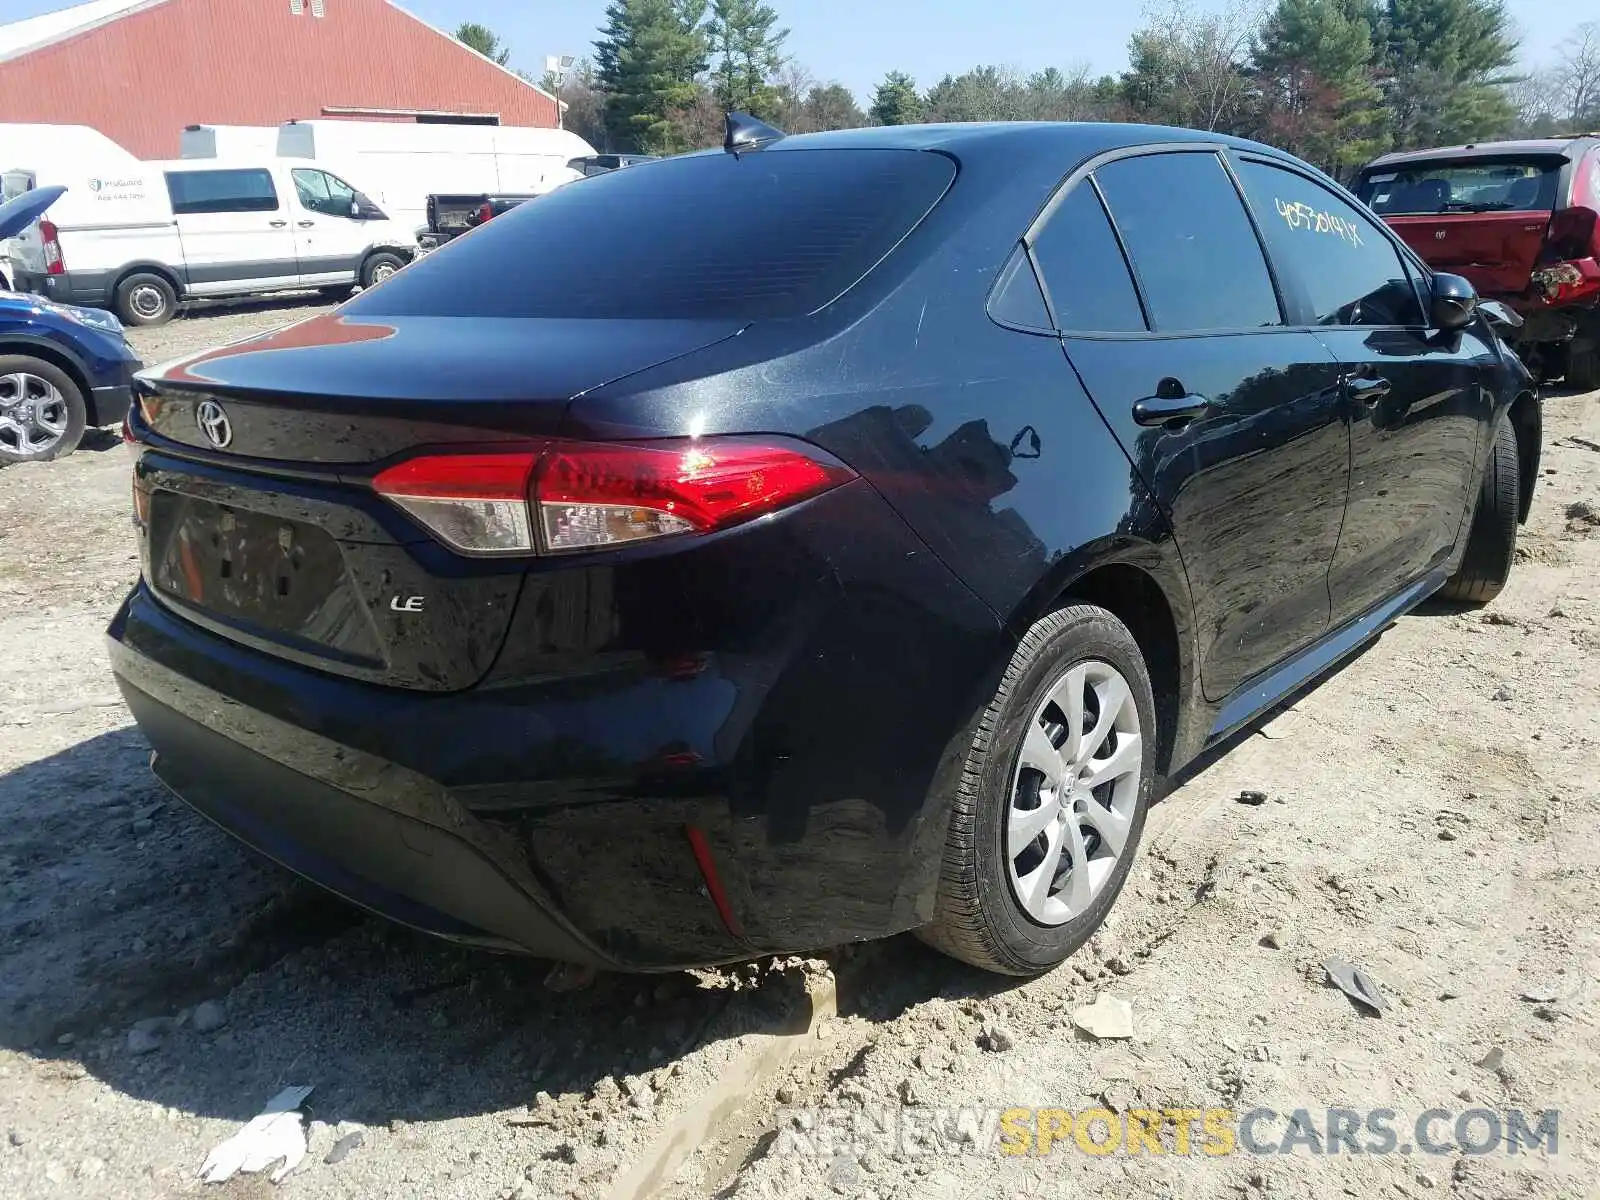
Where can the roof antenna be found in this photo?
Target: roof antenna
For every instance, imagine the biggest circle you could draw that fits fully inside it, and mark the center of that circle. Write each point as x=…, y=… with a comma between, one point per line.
x=746, y=133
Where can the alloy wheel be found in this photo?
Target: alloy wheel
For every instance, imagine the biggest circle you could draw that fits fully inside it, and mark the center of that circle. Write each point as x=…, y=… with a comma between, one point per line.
x=33, y=414
x=1074, y=793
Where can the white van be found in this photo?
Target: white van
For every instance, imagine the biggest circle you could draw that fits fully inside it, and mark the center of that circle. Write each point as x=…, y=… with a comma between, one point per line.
x=141, y=238
x=28, y=150
x=401, y=164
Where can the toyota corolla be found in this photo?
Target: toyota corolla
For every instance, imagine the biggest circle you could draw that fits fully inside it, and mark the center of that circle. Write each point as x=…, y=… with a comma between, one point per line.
x=807, y=541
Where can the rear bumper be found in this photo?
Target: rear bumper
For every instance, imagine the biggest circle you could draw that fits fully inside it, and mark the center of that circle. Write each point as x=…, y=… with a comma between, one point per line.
x=91, y=288
x=404, y=868
x=782, y=703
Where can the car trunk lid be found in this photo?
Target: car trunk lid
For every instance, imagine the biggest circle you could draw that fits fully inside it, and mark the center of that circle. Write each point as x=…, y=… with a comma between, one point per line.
x=1496, y=251
x=254, y=481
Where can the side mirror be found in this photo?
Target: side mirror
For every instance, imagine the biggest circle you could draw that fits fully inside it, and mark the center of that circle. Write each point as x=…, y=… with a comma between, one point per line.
x=355, y=209
x=1454, y=302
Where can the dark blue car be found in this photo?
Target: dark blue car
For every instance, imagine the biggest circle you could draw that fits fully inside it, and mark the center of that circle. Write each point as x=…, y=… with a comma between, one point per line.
x=838, y=535
x=62, y=369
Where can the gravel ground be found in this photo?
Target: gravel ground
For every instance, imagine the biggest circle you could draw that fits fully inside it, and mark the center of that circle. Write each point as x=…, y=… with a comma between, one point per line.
x=1429, y=817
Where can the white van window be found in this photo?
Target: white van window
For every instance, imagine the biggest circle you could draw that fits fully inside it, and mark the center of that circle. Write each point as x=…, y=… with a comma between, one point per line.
x=247, y=190
x=323, y=193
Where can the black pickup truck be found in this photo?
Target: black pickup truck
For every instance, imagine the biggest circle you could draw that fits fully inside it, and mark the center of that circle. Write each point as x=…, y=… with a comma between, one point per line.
x=449, y=216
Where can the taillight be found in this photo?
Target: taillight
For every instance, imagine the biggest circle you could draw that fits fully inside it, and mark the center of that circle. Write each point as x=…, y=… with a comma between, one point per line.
x=473, y=502
x=54, y=263
x=584, y=495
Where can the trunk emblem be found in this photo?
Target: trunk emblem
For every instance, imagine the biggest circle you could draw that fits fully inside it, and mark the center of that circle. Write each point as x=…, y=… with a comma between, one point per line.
x=410, y=604
x=1438, y=235
x=214, y=423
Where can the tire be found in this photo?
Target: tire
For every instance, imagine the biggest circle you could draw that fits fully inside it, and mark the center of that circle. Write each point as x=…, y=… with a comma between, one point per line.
x=1492, y=538
x=52, y=425
x=379, y=267
x=982, y=915
x=145, y=298
x=1583, y=356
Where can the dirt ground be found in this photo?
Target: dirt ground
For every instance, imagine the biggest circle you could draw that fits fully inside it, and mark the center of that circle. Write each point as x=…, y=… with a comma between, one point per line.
x=1429, y=817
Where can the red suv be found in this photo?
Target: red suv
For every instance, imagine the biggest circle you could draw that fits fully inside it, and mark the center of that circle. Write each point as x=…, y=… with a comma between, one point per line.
x=1521, y=220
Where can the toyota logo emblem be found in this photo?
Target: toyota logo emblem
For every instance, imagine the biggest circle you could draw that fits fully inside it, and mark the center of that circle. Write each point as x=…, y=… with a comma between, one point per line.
x=214, y=423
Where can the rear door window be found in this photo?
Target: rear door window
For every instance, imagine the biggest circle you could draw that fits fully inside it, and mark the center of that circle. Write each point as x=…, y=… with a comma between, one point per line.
x=1083, y=267
x=246, y=190
x=1333, y=257
x=778, y=233
x=1470, y=186
x=1198, y=262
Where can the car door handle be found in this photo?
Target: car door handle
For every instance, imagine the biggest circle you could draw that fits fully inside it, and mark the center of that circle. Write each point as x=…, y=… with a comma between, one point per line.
x=1367, y=390
x=277, y=224
x=305, y=224
x=1171, y=403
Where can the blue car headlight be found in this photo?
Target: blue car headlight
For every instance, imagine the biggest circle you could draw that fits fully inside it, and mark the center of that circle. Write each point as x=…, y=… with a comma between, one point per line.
x=94, y=318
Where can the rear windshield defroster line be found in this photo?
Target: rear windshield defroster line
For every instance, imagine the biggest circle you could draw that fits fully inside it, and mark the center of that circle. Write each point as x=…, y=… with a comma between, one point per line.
x=763, y=236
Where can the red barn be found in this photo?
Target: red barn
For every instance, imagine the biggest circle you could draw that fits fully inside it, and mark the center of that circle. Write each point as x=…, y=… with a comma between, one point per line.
x=140, y=70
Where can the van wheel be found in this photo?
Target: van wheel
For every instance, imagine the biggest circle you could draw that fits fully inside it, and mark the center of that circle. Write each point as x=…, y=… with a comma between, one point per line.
x=146, y=299
x=42, y=412
x=379, y=267
x=1047, y=816
x=1492, y=537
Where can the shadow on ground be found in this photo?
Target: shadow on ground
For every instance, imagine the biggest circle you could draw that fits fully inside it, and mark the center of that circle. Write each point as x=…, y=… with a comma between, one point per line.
x=122, y=904
x=240, y=305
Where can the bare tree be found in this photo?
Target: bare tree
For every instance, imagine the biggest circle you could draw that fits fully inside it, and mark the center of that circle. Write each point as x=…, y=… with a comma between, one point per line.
x=1577, y=75
x=1537, y=98
x=1190, y=66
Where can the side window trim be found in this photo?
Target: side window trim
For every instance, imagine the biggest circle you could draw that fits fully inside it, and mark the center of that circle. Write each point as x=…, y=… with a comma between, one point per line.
x=1044, y=286
x=1407, y=257
x=1289, y=313
x=1127, y=259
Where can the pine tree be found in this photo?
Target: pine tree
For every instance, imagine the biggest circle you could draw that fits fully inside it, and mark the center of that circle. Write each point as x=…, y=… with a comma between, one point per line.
x=1445, y=64
x=896, y=101
x=484, y=40
x=1314, y=70
x=646, y=61
x=747, y=48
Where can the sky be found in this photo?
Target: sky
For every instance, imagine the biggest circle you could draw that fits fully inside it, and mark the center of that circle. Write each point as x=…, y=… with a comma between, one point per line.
x=856, y=42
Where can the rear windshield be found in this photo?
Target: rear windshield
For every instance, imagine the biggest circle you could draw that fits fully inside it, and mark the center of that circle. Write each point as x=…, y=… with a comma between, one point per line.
x=1475, y=185
x=770, y=234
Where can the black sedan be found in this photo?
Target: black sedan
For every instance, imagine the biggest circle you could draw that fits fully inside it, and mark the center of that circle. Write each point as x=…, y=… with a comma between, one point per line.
x=828, y=537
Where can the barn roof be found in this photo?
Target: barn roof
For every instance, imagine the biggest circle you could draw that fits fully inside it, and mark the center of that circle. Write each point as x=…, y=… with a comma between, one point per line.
x=20, y=37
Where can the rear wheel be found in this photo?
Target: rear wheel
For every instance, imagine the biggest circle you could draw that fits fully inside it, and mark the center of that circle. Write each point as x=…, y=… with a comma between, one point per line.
x=1492, y=539
x=146, y=299
x=42, y=411
x=1052, y=800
